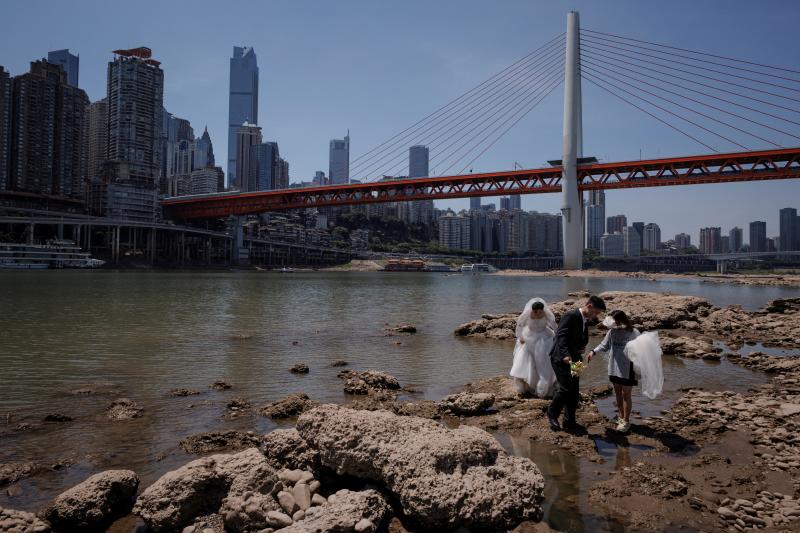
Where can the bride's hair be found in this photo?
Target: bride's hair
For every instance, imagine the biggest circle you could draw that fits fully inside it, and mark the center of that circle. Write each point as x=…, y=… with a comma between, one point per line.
x=537, y=306
x=621, y=318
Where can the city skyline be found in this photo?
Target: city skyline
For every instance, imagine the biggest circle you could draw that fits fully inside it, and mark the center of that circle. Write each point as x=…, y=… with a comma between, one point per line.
x=303, y=119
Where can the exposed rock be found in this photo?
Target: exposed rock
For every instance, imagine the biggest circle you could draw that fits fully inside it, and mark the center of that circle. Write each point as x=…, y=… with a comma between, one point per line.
x=238, y=404
x=299, y=368
x=221, y=385
x=348, y=510
x=216, y=441
x=284, y=448
x=641, y=479
x=442, y=478
x=15, y=521
x=691, y=347
x=223, y=484
x=95, y=503
x=123, y=409
x=466, y=403
x=291, y=406
x=339, y=362
x=368, y=381
x=13, y=472
x=57, y=417
x=183, y=392
x=400, y=328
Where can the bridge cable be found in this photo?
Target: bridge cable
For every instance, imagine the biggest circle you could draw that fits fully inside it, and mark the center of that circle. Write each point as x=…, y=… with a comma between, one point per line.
x=594, y=53
x=481, y=126
x=754, y=89
x=666, y=110
x=692, y=51
x=628, y=72
x=400, y=149
x=480, y=86
x=699, y=67
x=471, y=118
x=607, y=77
x=588, y=78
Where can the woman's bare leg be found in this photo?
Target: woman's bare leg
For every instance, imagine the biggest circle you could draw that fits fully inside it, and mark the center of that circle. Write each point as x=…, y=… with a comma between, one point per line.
x=620, y=403
x=626, y=393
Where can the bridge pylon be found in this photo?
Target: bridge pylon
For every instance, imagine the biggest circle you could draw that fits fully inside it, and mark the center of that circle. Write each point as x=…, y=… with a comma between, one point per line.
x=571, y=199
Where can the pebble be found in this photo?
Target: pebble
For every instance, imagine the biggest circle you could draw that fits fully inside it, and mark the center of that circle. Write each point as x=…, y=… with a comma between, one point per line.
x=302, y=495
x=364, y=525
x=318, y=499
x=278, y=519
x=287, y=502
x=189, y=529
x=299, y=515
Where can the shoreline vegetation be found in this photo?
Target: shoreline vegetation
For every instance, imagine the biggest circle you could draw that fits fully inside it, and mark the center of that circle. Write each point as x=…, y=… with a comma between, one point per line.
x=386, y=461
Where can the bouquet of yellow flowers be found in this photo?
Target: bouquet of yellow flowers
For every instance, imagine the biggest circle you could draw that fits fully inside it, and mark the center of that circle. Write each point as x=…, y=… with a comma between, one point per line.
x=577, y=368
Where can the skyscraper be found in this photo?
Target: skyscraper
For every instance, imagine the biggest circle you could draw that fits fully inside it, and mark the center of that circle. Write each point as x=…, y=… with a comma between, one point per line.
x=595, y=219
x=47, y=149
x=266, y=164
x=735, y=239
x=242, y=100
x=683, y=241
x=612, y=245
x=758, y=236
x=339, y=161
x=790, y=240
x=505, y=203
x=515, y=201
x=639, y=227
x=135, y=114
x=247, y=136
x=710, y=240
x=420, y=211
x=616, y=224
x=5, y=127
x=68, y=62
x=204, y=152
x=96, y=137
x=632, y=240
x=474, y=203
x=652, y=237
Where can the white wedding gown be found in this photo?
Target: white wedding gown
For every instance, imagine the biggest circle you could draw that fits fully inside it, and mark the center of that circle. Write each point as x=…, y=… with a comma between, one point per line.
x=532, y=368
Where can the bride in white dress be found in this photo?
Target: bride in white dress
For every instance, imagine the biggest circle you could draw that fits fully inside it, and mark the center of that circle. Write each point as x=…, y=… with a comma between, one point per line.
x=532, y=370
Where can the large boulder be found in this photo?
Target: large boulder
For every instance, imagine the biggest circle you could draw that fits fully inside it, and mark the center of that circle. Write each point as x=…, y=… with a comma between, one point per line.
x=442, y=478
x=284, y=448
x=467, y=403
x=202, y=486
x=95, y=503
x=291, y=406
x=345, y=511
x=15, y=521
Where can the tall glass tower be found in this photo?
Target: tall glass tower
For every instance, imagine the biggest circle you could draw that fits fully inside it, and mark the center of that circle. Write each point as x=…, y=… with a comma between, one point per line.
x=69, y=62
x=243, y=99
x=339, y=160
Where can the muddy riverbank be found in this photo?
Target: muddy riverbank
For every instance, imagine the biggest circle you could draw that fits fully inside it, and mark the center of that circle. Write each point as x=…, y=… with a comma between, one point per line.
x=720, y=455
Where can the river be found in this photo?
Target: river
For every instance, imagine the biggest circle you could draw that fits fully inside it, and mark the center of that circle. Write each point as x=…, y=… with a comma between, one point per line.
x=143, y=333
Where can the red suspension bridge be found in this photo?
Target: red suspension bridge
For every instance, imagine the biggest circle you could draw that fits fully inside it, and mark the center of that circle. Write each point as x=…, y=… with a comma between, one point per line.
x=743, y=113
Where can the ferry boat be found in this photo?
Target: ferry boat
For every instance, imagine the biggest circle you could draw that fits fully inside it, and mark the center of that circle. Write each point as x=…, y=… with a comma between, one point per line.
x=54, y=254
x=475, y=268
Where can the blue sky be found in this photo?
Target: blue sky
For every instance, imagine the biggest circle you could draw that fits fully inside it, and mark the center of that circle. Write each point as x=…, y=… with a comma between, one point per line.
x=376, y=67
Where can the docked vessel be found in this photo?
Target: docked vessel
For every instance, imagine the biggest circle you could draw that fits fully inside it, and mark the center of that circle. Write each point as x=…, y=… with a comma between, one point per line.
x=475, y=268
x=54, y=254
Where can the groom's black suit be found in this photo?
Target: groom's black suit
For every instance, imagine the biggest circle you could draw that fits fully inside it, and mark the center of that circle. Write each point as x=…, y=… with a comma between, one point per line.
x=571, y=338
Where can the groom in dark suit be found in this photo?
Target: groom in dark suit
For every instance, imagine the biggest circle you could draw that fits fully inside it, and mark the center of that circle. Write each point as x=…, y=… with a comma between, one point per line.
x=571, y=340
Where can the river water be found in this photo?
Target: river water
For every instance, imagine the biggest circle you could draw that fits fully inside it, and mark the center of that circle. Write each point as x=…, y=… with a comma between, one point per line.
x=142, y=334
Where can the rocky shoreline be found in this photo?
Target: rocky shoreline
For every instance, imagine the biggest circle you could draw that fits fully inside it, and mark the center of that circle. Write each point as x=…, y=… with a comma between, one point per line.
x=717, y=460
x=766, y=279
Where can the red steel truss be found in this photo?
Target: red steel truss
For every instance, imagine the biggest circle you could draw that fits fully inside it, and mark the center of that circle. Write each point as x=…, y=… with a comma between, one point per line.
x=717, y=168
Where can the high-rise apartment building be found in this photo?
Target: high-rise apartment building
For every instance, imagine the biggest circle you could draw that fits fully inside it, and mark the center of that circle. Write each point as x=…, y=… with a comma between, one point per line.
x=242, y=100
x=420, y=211
x=339, y=161
x=47, y=153
x=515, y=201
x=616, y=224
x=474, y=203
x=652, y=237
x=758, y=236
x=710, y=240
x=683, y=241
x=96, y=138
x=735, y=239
x=632, y=241
x=454, y=232
x=639, y=227
x=595, y=219
x=505, y=203
x=135, y=114
x=205, y=180
x=69, y=62
x=724, y=244
x=789, y=237
x=247, y=136
x=5, y=127
x=544, y=233
x=612, y=245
